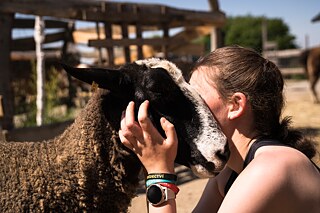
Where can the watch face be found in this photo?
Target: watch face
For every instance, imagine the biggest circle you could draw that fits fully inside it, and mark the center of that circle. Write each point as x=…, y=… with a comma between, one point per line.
x=154, y=194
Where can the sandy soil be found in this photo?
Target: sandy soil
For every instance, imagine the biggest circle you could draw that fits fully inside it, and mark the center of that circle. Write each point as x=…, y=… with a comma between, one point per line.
x=305, y=116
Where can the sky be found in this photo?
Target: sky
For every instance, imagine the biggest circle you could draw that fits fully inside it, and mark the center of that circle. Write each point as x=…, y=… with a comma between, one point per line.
x=297, y=14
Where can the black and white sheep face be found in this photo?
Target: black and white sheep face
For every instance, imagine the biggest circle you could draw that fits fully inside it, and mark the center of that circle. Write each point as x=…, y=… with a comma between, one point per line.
x=202, y=145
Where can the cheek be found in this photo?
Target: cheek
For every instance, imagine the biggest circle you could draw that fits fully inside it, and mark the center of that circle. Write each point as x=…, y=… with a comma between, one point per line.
x=219, y=111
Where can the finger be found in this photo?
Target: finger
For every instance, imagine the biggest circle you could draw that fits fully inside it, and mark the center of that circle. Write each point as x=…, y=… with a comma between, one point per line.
x=130, y=143
x=125, y=135
x=123, y=121
x=169, y=129
x=131, y=123
x=143, y=118
x=125, y=141
x=129, y=115
x=125, y=132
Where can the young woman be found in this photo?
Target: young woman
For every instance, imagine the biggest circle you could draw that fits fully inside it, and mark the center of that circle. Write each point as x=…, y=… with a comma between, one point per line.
x=269, y=169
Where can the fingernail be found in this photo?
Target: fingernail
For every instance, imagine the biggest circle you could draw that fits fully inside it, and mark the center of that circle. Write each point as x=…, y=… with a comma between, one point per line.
x=130, y=103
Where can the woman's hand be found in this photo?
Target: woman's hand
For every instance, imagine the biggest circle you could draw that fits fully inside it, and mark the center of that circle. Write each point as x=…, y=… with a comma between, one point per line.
x=156, y=153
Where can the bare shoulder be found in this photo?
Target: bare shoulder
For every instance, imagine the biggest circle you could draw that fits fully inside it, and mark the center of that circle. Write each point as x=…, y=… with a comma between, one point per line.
x=276, y=160
x=286, y=169
x=277, y=176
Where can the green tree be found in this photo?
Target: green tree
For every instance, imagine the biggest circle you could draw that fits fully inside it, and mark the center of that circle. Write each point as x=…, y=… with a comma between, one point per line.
x=247, y=31
x=279, y=32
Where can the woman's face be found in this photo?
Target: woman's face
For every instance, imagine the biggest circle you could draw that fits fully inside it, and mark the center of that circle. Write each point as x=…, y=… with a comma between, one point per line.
x=208, y=91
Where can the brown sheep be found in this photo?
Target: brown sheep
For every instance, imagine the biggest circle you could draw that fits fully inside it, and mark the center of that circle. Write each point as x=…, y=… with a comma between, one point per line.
x=87, y=168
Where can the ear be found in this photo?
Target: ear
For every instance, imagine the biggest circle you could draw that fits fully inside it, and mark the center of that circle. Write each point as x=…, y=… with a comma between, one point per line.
x=113, y=80
x=237, y=105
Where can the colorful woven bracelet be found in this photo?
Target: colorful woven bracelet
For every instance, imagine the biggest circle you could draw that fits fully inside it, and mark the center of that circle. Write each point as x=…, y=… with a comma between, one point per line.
x=166, y=176
x=154, y=181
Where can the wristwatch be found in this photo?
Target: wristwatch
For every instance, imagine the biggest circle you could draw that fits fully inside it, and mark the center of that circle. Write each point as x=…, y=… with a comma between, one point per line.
x=157, y=194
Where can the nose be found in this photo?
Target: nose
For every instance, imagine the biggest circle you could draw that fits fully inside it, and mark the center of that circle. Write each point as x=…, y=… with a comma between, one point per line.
x=210, y=166
x=223, y=154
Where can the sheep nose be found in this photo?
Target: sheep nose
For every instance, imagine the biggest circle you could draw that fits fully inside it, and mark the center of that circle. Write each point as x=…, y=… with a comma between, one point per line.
x=223, y=154
x=210, y=166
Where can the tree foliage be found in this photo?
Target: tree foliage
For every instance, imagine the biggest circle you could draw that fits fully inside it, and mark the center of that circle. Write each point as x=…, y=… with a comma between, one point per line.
x=247, y=31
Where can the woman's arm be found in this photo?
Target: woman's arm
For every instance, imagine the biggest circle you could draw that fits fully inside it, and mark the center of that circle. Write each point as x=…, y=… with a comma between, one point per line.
x=213, y=193
x=156, y=153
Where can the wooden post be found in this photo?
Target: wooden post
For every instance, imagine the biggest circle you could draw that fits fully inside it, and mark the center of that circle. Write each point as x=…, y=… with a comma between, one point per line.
x=108, y=34
x=6, y=23
x=216, y=40
x=136, y=11
x=165, y=37
x=67, y=58
x=99, y=48
x=139, y=36
x=39, y=39
x=125, y=35
x=213, y=39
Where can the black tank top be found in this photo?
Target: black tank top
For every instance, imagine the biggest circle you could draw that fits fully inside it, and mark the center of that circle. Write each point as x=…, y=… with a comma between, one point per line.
x=250, y=155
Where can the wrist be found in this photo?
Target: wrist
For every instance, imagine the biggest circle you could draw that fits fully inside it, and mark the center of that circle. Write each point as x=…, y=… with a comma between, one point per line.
x=155, y=178
x=161, y=169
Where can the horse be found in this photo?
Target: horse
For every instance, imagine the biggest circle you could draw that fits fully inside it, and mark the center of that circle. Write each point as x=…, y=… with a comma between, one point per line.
x=311, y=62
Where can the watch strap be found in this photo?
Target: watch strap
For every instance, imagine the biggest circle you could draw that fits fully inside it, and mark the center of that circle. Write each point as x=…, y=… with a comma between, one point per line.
x=169, y=194
x=171, y=186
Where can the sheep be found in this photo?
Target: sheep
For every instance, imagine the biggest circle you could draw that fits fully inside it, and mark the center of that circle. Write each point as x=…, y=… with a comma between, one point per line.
x=84, y=169
x=87, y=168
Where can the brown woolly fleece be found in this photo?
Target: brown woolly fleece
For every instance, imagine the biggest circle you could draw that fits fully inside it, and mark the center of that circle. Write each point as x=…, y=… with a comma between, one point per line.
x=85, y=169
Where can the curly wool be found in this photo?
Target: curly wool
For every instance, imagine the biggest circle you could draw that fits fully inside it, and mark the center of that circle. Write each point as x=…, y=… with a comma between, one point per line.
x=86, y=169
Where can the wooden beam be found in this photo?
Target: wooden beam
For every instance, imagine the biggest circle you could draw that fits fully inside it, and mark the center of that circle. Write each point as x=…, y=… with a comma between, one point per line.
x=26, y=23
x=107, y=12
x=34, y=7
x=128, y=18
x=128, y=42
x=188, y=35
x=31, y=55
x=29, y=44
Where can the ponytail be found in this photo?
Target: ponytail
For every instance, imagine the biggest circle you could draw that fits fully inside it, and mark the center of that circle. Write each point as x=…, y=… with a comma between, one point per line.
x=295, y=138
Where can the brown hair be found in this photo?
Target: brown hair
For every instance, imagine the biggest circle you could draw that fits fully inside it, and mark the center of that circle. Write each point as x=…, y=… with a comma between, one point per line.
x=244, y=70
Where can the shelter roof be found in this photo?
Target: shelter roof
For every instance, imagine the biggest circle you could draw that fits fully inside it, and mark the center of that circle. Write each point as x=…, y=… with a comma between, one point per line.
x=316, y=18
x=115, y=12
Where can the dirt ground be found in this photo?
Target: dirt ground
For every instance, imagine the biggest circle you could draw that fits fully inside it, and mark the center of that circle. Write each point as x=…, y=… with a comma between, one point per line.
x=305, y=116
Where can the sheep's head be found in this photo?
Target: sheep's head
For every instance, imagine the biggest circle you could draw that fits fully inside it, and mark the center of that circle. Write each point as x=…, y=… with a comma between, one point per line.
x=202, y=145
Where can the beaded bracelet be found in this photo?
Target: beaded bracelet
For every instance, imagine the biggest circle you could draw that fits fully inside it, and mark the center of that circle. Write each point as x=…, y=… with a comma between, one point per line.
x=154, y=181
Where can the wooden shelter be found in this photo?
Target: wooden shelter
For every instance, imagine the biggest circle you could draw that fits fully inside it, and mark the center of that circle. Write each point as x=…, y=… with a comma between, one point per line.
x=141, y=17
x=316, y=18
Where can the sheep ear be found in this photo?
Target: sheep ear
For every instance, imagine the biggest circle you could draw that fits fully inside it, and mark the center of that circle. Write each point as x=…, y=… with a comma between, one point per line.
x=109, y=79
